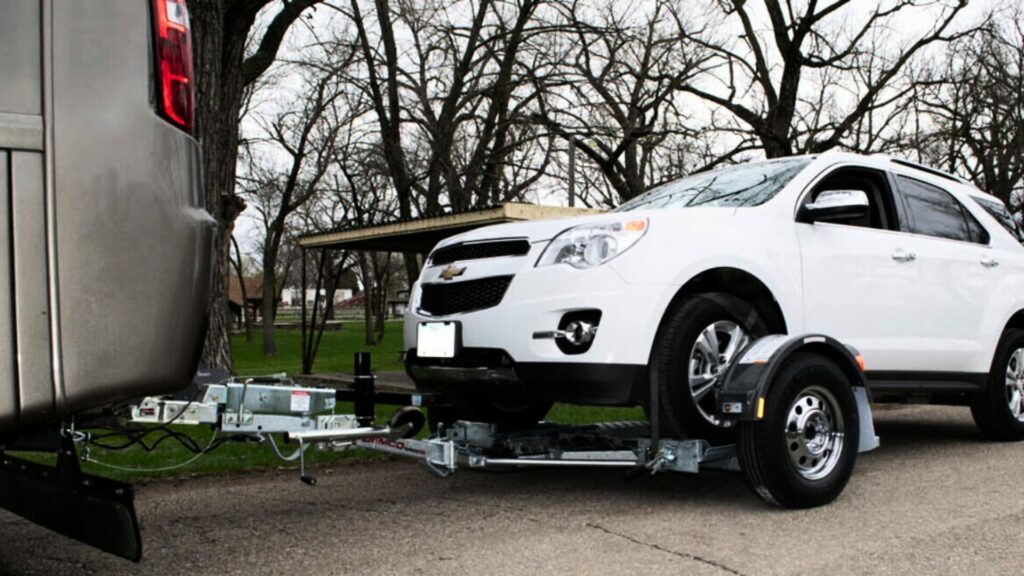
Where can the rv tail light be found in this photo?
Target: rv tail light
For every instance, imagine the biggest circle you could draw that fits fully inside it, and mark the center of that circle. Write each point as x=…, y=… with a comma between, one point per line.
x=173, y=63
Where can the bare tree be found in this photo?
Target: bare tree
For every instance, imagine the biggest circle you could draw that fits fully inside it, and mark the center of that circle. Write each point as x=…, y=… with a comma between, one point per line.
x=973, y=111
x=357, y=192
x=221, y=30
x=763, y=80
x=620, y=71
x=450, y=104
x=308, y=136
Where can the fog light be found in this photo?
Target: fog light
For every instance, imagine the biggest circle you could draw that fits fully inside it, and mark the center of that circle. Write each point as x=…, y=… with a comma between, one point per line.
x=576, y=331
x=579, y=332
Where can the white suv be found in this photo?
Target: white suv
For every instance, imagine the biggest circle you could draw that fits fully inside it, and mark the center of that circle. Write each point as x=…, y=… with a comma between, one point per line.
x=919, y=271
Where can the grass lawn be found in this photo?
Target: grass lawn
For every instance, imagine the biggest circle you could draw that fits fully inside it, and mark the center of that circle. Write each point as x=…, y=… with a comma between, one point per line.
x=337, y=348
x=335, y=355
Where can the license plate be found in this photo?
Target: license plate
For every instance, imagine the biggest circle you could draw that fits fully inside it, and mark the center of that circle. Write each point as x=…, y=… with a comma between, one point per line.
x=436, y=339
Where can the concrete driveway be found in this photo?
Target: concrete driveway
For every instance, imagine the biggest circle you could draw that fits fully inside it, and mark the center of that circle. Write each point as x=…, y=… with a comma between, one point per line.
x=935, y=498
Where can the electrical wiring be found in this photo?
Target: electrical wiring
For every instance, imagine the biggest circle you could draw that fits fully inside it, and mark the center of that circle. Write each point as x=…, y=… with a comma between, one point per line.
x=291, y=457
x=88, y=458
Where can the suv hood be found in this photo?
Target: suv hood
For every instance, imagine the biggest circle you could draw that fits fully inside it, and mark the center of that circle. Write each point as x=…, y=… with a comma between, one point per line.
x=544, y=230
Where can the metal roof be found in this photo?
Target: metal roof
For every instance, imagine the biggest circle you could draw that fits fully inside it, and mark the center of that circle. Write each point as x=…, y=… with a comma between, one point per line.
x=420, y=235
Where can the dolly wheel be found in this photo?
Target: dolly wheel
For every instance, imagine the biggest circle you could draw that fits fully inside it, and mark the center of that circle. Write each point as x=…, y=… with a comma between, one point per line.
x=802, y=453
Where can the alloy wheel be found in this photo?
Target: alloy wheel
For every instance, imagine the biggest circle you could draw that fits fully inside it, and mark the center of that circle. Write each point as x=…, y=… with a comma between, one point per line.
x=710, y=356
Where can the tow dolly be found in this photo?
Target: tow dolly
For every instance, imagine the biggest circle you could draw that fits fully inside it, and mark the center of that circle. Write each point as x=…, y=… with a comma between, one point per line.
x=780, y=445
x=262, y=406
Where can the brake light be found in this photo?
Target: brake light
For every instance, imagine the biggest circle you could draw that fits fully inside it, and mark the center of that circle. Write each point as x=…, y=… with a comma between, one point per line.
x=173, y=62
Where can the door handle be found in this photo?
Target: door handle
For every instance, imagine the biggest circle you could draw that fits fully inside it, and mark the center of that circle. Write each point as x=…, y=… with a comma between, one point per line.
x=901, y=255
x=989, y=262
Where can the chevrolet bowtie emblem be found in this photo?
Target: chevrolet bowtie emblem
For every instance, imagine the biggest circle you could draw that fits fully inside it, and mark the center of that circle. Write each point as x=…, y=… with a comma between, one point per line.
x=452, y=272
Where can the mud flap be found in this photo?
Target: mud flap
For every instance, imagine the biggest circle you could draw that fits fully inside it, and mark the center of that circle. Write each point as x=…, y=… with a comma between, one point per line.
x=93, y=510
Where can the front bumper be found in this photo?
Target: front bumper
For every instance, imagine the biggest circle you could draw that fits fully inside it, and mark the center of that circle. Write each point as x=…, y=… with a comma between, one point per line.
x=512, y=364
x=536, y=300
x=578, y=383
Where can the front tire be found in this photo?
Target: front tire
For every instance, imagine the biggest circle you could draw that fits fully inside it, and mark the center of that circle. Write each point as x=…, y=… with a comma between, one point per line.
x=802, y=453
x=695, y=345
x=999, y=410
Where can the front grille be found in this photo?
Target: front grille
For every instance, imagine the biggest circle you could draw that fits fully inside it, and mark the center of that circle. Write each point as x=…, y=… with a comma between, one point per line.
x=445, y=299
x=479, y=250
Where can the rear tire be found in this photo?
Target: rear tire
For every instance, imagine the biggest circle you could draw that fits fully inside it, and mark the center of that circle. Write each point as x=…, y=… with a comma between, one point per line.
x=687, y=372
x=999, y=410
x=802, y=453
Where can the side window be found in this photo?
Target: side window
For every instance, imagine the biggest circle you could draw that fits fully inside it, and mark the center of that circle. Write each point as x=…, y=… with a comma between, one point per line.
x=935, y=212
x=1002, y=215
x=978, y=233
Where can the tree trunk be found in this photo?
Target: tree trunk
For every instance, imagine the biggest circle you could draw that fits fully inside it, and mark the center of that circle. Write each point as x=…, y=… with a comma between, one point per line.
x=412, y=268
x=239, y=272
x=367, y=274
x=217, y=348
x=382, y=279
x=220, y=29
x=218, y=49
x=269, y=306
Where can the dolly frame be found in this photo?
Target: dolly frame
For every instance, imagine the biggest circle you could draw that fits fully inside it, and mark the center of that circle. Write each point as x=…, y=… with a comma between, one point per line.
x=627, y=445
x=481, y=445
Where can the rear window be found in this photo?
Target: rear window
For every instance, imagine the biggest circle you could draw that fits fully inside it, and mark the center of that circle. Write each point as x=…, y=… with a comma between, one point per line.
x=935, y=212
x=998, y=211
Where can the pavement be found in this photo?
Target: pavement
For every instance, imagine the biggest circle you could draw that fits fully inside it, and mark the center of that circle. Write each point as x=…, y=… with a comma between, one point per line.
x=934, y=499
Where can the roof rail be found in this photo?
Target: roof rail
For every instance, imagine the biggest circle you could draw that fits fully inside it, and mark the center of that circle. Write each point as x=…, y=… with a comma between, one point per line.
x=923, y=168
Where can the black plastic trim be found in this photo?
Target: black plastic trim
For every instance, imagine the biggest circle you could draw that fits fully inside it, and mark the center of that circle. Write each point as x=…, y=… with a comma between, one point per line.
x=482, y=249
x=444, y=299
x=924, y=382
x=507, y=380
x=927, y=170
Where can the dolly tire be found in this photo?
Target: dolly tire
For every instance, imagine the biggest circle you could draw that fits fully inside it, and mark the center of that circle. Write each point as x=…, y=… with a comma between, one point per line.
x=802, y=453
x=997, y=411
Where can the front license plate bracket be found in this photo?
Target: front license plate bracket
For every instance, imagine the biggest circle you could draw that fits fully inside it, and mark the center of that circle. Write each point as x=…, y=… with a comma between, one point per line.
x=438, y=339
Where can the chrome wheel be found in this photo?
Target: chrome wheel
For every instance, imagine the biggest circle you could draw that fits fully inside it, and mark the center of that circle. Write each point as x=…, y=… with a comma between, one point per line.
x=1015, y=384
x=814, y=433
x=711, y=354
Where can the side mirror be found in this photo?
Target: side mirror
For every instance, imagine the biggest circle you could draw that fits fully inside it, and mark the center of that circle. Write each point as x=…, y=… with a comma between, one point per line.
x=832, y=205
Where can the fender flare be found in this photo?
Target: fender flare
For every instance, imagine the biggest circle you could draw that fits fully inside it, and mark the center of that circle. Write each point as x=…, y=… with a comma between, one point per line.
x=747, y=381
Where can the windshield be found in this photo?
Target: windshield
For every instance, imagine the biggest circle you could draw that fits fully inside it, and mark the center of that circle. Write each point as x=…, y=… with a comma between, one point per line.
x=740, y=185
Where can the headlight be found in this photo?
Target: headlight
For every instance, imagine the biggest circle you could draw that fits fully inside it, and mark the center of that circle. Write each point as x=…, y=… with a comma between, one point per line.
x=592, y=244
